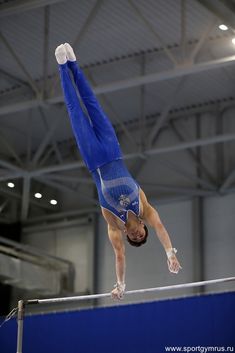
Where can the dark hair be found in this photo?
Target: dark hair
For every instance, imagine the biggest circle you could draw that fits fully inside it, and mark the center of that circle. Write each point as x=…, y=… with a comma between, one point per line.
x=139, y=243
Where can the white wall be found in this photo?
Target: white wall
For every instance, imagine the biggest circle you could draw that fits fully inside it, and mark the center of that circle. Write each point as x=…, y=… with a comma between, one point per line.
x=220, y=238
x=73, y=244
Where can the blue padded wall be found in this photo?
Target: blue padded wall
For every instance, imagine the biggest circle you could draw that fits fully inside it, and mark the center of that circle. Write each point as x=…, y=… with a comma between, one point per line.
x=138, y=328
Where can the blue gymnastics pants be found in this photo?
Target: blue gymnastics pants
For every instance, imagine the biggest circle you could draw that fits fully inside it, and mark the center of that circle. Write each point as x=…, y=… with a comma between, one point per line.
x=95, y=136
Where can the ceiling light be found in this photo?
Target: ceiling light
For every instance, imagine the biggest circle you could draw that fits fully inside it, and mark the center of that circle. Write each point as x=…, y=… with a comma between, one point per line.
x=11, y=185
x=223, y=27
x=53, y=202
x=38, y=195
x=233, y=41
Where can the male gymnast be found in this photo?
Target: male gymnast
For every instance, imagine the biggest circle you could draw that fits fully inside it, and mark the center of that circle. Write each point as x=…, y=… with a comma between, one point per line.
x=123, y=203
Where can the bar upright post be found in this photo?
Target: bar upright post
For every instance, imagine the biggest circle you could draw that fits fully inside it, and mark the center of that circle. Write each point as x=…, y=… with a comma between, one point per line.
x=20, y=323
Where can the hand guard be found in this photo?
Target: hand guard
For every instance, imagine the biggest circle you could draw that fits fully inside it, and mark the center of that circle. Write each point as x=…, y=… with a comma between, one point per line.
x=171, y=252
x=173, y=263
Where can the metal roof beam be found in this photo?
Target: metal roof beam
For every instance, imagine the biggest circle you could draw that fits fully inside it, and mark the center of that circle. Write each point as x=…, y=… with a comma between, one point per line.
x=15, y=195
x=160, y=150
x=92, y=14
x=223, y=9
x=180, y=190
x=66, y=188
x=153, y=31
x=192, y=154
x=186, y=174
x=164, y=114
x=30, y=80
x=46, y=140
x=15, y=7
x=46, y=49
x=25, y=199
x=228, y=181
x=12, y=78
x=182, y=70
x=202, y=40
x=53, y=141
x=61, y=215
x=107, y=103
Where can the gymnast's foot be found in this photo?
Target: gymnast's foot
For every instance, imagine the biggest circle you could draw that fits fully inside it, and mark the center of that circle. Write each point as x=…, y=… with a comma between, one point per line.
x=69, y=52
x=60, y=54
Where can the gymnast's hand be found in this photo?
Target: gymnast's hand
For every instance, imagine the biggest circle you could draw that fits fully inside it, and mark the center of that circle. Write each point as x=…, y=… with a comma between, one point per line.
x=173, y=264
x=118, y=291
x=172, y=261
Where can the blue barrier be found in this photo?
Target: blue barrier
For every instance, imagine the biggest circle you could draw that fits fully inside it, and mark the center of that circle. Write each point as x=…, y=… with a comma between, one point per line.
x=207, y=320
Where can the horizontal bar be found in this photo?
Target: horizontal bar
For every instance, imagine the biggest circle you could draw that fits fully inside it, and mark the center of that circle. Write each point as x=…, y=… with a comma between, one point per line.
x=137, y=291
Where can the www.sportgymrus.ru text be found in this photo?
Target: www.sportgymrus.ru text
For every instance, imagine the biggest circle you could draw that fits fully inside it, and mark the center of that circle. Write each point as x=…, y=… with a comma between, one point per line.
x=201, y=349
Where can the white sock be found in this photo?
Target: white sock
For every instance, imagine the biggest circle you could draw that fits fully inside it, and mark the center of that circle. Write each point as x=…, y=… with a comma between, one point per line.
x=69, y=52
x=60, y=54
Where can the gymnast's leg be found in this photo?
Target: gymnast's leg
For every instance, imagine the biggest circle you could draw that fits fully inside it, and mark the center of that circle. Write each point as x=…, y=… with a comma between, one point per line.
x=83, y=131
x=101, y=124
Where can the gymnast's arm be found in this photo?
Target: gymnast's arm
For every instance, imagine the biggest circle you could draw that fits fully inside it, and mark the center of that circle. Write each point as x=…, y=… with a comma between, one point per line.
x=151, y=216
x=115, y=236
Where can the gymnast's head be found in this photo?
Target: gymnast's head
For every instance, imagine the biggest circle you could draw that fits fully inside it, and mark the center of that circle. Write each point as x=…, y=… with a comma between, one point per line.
x=136, y=232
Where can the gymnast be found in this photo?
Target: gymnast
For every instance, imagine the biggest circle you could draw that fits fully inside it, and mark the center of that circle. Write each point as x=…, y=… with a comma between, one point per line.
x=123, y=203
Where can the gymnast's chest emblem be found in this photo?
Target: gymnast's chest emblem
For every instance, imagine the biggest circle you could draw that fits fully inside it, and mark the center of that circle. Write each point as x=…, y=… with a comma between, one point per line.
x=124, y=201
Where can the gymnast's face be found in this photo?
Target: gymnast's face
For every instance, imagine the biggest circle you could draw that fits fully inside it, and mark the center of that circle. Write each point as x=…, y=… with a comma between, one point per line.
x=136, y=231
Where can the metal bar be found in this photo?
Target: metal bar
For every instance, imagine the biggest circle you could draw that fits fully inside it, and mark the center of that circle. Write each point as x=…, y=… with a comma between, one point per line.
x=66, y=188
x=21, y=106
x=114, y=114
x=25, y=198
x=182, y=70
x=183, y=29
x=62, y=215
x=228, y=181
x=12, y=176
x=192, y=154
x=25, y=248
x=203, y=38
x=180, y=190
x=11, y=149
x=153, y=31
x=46, y=48
x=55, y=225
x=17, y=196
x=54, y=144
x=11, y=166
x=13, y=78
x=80, y=35
x=164, y=114
x=20, y=64
x=20, y=322
x=47, y=154
x=142, y=120
x=219, y=148
x=46, y=139
x=137, y=291
x=71, y=179
x=222, y=9
x=198, y=216
x=15, y=7
x=160, y=150
x=185, y=173
x=191, y=144
x=29, y=138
